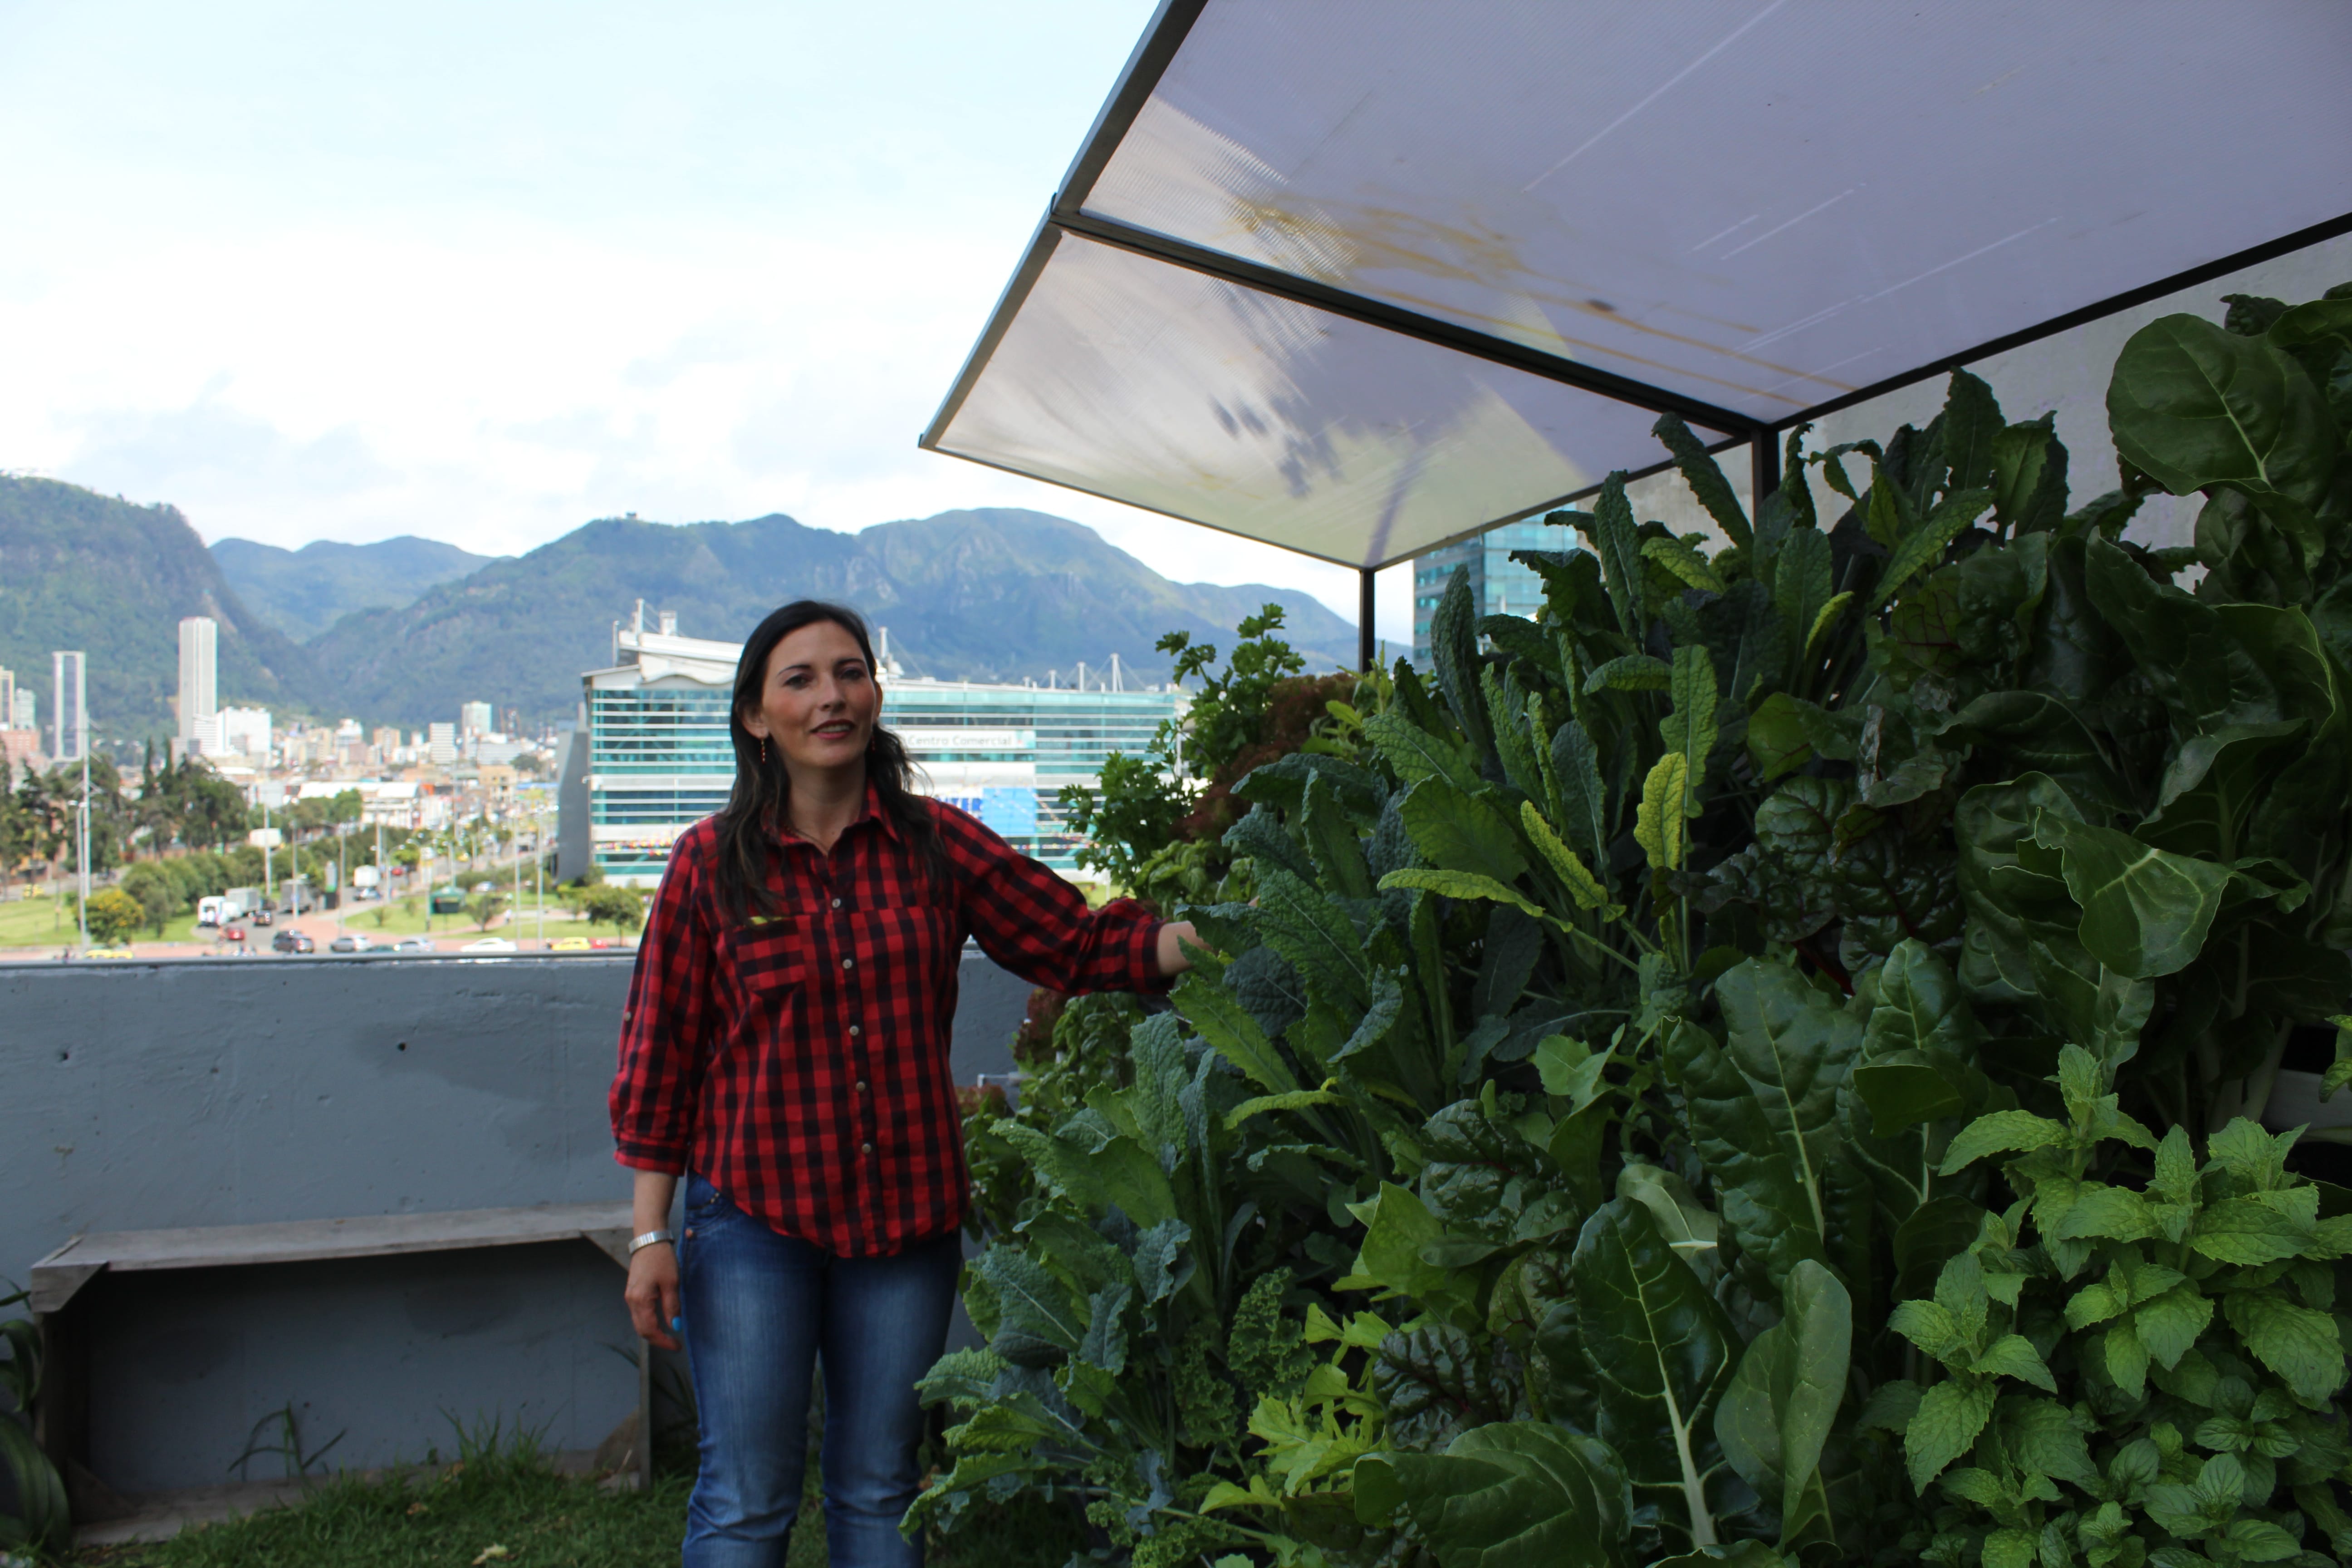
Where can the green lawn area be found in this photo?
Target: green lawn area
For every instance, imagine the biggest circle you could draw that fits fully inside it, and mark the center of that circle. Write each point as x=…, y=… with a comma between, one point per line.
x=46, y=922
x=406, y=917
x=515, y=1502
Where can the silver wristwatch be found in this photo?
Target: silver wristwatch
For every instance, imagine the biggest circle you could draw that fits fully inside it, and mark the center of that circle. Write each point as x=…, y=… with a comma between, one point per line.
x=651, y=1237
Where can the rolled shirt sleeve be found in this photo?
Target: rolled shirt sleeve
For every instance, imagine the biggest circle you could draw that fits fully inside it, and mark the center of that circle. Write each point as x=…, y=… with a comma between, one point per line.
x=1032, y=922
x=665, y=1028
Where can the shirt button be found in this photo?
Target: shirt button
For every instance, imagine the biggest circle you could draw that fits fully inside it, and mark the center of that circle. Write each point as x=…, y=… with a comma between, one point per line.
x=855, y=1030
x=849, y=963
x=866, y=1148
x=861, y=1086
x=837, y=903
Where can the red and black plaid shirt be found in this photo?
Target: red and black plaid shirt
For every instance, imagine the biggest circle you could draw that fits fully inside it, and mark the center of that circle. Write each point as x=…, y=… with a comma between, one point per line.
x=799, y=1060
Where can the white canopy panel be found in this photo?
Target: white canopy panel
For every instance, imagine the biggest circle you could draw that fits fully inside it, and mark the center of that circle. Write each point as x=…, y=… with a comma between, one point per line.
x=1337, y=274
x=1175, y=391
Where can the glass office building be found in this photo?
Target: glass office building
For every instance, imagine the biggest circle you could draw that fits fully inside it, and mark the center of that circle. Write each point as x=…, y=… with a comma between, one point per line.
x=652, y=757
x=1499, y=586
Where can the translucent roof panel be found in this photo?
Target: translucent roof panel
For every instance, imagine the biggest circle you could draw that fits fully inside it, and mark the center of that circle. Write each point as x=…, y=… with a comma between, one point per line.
x=1117, y=373
x=1762, y=203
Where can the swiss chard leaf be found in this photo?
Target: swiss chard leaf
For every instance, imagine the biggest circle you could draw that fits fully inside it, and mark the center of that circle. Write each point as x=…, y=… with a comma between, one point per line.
x=1662, y=1350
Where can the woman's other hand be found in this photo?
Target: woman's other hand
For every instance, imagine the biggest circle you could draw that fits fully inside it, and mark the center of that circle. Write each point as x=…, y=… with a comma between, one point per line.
x=1170, y=954
x=652, y=1290
x=652, y=1293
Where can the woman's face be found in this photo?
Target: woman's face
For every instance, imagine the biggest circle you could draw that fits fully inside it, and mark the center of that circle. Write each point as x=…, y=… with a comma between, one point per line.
x=818, y=700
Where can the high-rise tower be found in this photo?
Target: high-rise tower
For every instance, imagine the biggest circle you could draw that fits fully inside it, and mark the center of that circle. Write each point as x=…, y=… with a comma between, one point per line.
x=72, y=722
x=199, y=685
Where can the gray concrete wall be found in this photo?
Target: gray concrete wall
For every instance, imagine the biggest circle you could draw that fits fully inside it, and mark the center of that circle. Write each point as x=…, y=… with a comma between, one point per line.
x=211, y=1092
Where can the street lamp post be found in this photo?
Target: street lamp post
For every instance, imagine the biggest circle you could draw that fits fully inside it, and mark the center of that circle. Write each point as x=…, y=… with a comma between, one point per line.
x=82, y=821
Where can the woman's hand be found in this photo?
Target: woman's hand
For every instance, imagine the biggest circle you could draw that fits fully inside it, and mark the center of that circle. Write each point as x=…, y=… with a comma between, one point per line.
x=652, y=1293
x=1170, y=954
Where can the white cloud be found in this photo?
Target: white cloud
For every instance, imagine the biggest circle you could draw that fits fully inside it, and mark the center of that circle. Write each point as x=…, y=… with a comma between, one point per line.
x=473, y=301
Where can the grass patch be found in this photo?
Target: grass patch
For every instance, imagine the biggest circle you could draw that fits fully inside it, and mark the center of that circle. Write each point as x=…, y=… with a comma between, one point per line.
x=509, y=1498
x=37, y=922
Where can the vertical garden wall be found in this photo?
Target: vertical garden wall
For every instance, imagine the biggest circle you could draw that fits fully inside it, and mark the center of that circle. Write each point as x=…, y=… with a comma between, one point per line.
x=1762, y=1062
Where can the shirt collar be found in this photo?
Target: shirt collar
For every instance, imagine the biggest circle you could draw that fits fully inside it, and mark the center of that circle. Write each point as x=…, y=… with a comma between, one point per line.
x=873, y=812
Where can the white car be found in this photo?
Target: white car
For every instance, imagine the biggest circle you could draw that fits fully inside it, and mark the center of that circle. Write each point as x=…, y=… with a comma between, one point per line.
x=490, y=944
x=350, y=942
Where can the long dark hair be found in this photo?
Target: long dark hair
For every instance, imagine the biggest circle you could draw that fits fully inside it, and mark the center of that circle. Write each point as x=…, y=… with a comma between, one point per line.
x=760, y=805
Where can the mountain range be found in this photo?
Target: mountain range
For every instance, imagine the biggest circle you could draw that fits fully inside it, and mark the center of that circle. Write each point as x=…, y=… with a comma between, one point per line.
x=401, y=631
x=303, y=592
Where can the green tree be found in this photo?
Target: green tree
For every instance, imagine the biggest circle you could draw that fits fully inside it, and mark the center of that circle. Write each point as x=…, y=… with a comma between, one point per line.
x=158, y=894
x=114, y=917
x=623, y=909
x=486, y=905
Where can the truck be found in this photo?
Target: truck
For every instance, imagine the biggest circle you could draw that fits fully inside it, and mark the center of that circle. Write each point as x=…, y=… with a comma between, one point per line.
x=366, y=877
x=220, y=909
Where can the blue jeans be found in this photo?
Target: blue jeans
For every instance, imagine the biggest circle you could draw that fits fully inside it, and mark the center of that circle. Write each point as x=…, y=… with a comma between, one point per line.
x=759, y=1310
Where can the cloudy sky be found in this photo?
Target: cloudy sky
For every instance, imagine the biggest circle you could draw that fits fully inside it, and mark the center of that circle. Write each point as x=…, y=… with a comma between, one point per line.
x=484, y=272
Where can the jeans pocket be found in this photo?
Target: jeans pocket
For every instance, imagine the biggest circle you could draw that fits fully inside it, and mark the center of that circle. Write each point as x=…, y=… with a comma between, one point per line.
x=703, y=1201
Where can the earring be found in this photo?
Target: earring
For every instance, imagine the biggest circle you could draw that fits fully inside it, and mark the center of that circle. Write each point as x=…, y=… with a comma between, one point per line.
x=763, y=750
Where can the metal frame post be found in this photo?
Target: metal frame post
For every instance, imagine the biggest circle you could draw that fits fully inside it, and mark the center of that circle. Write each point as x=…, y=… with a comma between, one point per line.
x=1364, y=644
x=1764, y=469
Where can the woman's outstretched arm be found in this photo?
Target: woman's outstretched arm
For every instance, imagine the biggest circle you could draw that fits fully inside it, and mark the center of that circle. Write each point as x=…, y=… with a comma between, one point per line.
x=1170, y=951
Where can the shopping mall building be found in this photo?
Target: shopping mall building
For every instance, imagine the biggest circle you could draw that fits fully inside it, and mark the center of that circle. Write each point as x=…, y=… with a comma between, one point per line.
x=649, y=757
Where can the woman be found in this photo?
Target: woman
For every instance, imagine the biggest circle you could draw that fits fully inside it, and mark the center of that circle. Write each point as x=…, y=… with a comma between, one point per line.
x=785, y=1048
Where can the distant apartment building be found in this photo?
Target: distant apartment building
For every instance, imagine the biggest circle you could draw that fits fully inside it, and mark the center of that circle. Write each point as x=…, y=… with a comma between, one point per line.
x=385, y=740
x=25, y=710
x=474, y=719
x=1498, y=584
x=244, y=731
x=69, y=674
x=20, y=739
x=441, y=744
x=199, y=728
x=653, y=755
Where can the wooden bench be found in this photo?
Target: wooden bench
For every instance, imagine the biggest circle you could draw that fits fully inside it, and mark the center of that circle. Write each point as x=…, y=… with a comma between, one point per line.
x=62, y=1416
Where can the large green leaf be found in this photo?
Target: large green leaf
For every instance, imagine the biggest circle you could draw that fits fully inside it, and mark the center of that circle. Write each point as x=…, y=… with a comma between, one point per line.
x=1458, y=831
x=1453, y=652
x=2193, y=404
x=1690, y=728
x=2004, y=893
x=1973, y=423
x=2029, y=475
x=1221, y=1020
x=2207, y=667
x=1315, y=934
x=1924, y=544
x=1610, y=528
x=42, y=1516
x=1515, y=741
x=1661, y=1349
x=1484, y=1180
x=2145, y=911
x=1398, y=1227
x=1337, y=849
x=1418, y=752
x=1776, y=1416
x=1508, y=1495
x=1584, y=799
x=2211, y=787
x=1039, y=1321
x=1706, y=480
x=1763, y=1109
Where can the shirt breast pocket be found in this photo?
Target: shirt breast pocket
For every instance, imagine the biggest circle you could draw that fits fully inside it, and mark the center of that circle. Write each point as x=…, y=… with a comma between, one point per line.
x=769, y=958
